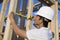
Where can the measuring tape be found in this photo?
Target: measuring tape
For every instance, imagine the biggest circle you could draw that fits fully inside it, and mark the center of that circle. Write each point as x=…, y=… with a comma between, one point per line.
x=29, y=17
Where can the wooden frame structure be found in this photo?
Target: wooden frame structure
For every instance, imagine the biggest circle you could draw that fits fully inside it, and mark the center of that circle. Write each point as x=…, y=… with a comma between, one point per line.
x=2, y=17
x=13, y=5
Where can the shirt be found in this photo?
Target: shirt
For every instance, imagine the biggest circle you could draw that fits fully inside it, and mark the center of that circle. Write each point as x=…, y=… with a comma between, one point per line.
x=39, y=34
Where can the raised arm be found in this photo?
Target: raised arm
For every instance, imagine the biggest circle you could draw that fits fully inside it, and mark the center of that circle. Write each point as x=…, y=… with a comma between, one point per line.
x=18, y=31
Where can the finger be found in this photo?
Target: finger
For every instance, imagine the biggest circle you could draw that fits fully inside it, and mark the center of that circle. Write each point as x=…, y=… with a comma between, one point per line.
x=11, y=14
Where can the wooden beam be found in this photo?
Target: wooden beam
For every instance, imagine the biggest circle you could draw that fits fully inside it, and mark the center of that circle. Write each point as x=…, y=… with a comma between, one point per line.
x=52, y=24
x=37, y=4
x=30, y=10
x=14, y=36
x=46, y=2
x=8, y=32
x=56, y=21
x=2, y=16
x=52, y=1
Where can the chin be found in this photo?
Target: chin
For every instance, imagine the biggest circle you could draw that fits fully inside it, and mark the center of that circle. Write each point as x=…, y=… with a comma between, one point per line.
x=35, y=25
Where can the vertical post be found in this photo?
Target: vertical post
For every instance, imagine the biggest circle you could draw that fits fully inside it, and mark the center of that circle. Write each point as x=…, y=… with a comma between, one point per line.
x=8, y=26
x=2, y=16
x=14, y=36
x=54, y=23
x=52, y=27
x=30, y=10
x=56, y=20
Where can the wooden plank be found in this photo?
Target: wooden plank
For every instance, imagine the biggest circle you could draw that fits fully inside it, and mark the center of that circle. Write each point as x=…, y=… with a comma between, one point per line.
x=30, y=10
x=2, y=16
x=56, y=21
x=10, y=34
x=52, y=1
x=37, y=4
x=45, y=2
x=14, y=36
x=8, y=26
x=53, y=23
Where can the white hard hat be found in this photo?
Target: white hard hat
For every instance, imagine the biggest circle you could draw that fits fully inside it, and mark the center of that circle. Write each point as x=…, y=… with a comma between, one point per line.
x=46, y=12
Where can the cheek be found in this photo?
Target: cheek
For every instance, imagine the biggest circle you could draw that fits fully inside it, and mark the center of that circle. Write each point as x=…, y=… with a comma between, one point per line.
x=36, y=21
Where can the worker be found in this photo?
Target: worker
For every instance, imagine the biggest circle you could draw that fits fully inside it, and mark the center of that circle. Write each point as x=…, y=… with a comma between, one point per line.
x=41, y=20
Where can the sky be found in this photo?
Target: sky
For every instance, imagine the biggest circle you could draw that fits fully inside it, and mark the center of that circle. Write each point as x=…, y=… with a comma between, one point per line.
x=34, y=12
x=59, y=15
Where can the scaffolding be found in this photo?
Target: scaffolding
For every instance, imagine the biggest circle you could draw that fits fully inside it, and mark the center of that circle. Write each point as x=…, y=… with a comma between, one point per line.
x=15, y=6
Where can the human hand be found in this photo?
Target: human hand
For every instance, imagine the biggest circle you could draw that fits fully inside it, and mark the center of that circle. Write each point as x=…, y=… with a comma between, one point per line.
x=11, y=17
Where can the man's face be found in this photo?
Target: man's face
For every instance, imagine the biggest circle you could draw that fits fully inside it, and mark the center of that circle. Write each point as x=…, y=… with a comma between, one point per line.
x=37, y=20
